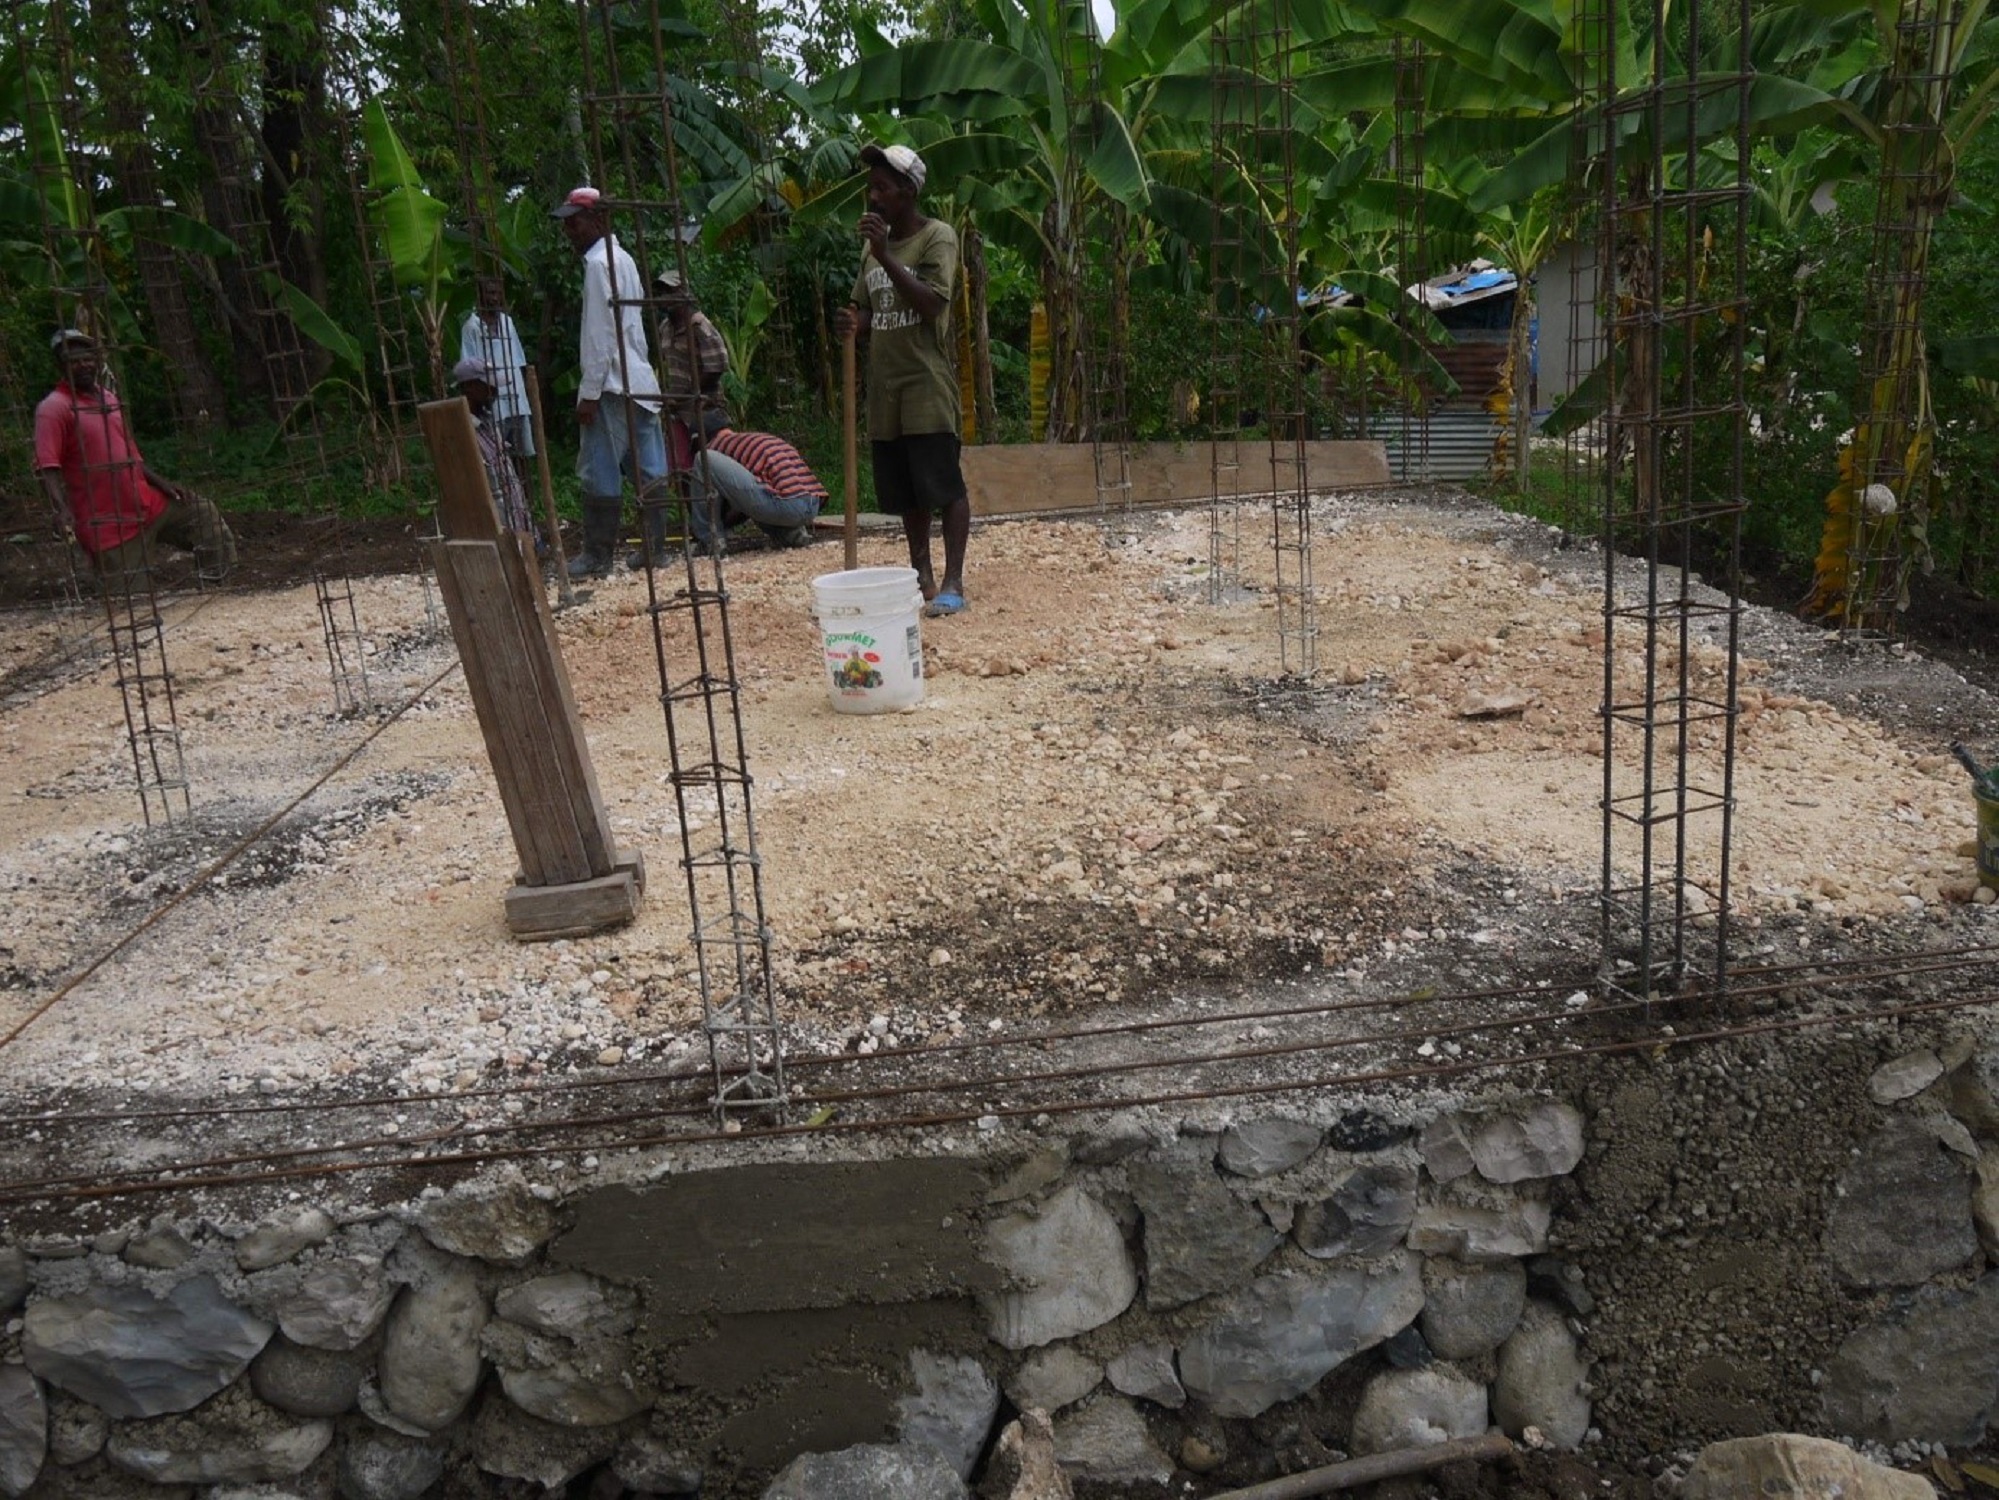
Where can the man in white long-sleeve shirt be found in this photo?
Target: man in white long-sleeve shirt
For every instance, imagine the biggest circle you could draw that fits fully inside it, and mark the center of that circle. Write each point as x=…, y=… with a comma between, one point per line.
x=489, y=336
x=618, y=401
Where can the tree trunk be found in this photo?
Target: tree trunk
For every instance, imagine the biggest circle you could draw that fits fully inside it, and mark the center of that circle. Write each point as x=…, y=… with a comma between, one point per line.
x=977, y=286
x=1520, y=357
x=198, y=399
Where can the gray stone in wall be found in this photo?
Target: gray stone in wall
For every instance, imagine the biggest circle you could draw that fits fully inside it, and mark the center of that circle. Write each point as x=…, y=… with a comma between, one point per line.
x=283, y=1235
x=1408, y=1350
x=1476, y=1231
x=1541, y=1379
x=505, y=1440
x=164, y=1248
x=1928, y=1373
x=1902, y=1211
x=1107, y=1442
x=136, y=1355
x=430, y=1360
x=569, y=1305
x=97, y=1480
x=1369, y=1213
x=24, y=1429
x=590, y=1386
x=1416, y=1409
x=308, y=1486
x=1040, y=1169
x=492, y=1217
x=234, y=1441
x=872, y=1471
x=1263, y=1148
x=1199, y=1237
x=1974, y=1091
x=1445, y=1146
x=952, y=1408
x=653, y=1467
x=336, y=1304
x=77, y=1430
x=376, y=1465
x=13, y=1277
x=1904, y=1077
x=1469, y=1310
x=1122, y=1136
x=1023, y=1465
x=376, y=1410
x=307, y=1382
x=1068, y=1267
x=1278, y=1337
x=1985, y=1204
x=1146, y=1372
x=1053, y=1378
x=1363, y=1130
x=1543, y=1139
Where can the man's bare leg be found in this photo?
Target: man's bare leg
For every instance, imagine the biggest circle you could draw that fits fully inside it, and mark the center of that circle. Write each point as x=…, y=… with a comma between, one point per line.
x=916, y=532
x=957, y=533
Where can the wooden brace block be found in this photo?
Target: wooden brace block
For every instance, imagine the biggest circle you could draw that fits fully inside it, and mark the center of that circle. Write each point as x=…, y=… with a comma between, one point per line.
x=542, y=913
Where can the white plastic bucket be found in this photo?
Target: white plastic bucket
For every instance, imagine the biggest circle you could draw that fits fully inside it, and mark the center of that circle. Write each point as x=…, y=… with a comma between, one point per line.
x=871, y=638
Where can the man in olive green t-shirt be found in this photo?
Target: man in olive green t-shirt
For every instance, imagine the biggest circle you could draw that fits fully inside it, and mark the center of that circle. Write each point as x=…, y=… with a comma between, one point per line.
x=902, y=303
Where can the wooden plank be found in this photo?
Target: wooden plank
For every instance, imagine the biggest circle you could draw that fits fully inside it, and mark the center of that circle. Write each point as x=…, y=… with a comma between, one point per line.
x=541, y=913
x=465, y=509
x=558, y=705
x=1010, y=479
x=494, y=642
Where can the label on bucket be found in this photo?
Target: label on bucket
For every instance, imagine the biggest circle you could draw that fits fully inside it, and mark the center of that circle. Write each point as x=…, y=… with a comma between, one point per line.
x=915, y=645
x=854, y=659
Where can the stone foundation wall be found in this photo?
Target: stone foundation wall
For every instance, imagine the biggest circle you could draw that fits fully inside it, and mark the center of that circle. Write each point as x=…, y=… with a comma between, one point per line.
x=1214, y=1301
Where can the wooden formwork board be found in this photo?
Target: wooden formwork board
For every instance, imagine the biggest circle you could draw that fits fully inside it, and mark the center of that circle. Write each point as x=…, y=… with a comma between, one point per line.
x=1011, y=479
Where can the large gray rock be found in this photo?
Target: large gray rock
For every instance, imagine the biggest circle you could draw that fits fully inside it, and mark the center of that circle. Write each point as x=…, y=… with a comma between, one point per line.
x=505, y=1440
x=1469, y=1310
x=378, y=1465
x=1052, y=1379
x=1068, y=1267
x=1199, y=1237
x=1785, y=1466
x=235, y=1441
x=1904, y=1077
x=1146, y=1371
x=336, y=1304
x=569, y=1305
x=1263, y=1148
x=429, y=1366
x=162, y=1248
x=1023, y=1465
x=1369, y=1213
x=1974, y=1091
x=136, y=1355
x=952, y=1408
x=492, y=1217
x=1417, y=1408
x=1929, y=1373
x=283, y=1235
x=1481, y=1231
x=307, y=1382
x=13, y=1278
x=1902, y=1212
x=1543, y=1139
x=1541, y=1379
x=652, y=1467
x=1107, y=1442
x=580, y=1382
x=24, y=1429
x=1281, y=1335
x=1445, y=1146
x=873, y=1471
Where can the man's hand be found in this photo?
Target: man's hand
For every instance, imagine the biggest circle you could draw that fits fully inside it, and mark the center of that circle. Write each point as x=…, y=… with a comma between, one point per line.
x=874, y=229
x=847, y=321
x=586, y=412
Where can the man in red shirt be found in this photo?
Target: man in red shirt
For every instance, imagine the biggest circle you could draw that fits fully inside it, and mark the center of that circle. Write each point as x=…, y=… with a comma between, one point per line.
x=95, y=475
x=753, y=476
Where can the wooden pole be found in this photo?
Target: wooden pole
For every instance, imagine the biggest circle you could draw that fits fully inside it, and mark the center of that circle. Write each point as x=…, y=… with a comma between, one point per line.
x=563, y=592
x=1356, y=1472
x=849, y=380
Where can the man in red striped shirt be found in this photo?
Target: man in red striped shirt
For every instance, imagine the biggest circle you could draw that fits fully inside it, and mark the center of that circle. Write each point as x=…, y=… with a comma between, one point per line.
x=753, y=476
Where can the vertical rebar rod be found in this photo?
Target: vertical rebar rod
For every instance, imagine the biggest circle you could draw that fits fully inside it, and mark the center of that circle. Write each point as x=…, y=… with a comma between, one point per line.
x=1233, y=105
x=1285, y=412
x=1410, y=421
x=706, y=744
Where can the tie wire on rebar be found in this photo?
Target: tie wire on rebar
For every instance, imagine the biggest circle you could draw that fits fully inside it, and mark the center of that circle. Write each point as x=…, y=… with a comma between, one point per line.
x=707, y=748
x=1655, y=1044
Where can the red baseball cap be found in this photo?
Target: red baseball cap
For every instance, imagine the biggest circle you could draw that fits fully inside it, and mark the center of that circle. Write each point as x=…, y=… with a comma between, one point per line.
x=579, y=200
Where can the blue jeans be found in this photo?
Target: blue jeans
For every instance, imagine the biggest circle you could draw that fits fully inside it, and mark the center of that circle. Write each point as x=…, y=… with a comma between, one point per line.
x=604, y=459
x=721, y=484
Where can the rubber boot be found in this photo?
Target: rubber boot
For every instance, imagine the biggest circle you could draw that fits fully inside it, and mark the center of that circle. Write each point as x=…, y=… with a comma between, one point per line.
x=652, y=525
x=600, y=537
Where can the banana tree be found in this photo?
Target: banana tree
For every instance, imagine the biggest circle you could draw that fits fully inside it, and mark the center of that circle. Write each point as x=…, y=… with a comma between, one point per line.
x=1927, y=104
x=424, y=260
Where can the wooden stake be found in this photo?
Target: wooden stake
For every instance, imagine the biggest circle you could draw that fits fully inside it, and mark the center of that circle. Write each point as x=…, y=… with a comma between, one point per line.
x=849, y=380
x=563, y=591
x=1356, y=1472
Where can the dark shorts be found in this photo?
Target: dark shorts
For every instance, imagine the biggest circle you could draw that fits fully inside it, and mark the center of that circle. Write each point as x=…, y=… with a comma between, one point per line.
x=917, y=472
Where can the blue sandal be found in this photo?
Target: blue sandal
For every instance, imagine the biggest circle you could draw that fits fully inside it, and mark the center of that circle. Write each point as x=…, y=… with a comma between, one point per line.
x=948, y=602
